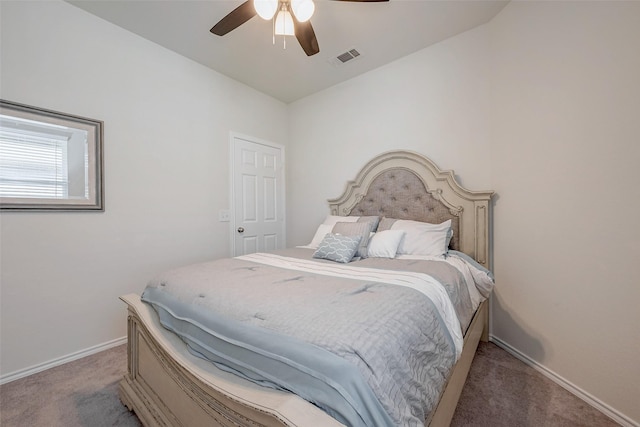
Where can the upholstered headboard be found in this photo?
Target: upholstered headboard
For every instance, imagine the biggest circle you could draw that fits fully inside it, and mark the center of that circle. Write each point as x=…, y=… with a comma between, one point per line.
x=407, y=185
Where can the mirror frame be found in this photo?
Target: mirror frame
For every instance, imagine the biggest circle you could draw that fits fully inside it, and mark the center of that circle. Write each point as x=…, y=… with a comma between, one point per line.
x=95, y=201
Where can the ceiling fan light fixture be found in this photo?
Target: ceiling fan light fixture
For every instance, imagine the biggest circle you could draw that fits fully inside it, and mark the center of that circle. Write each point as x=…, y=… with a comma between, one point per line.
x=284, y=23
x=303, y=9
x=266, y=9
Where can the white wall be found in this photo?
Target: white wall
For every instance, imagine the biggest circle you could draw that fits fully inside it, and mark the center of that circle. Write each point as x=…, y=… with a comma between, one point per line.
x=541, y=105
x=565, y=157
x=435, y=102
x=166, y=140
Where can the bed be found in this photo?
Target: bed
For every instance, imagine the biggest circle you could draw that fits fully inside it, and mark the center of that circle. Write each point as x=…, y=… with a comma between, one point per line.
x=171, y=383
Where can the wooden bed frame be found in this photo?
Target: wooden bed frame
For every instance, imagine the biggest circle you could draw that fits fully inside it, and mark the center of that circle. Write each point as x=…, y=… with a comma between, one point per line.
x=167, y=386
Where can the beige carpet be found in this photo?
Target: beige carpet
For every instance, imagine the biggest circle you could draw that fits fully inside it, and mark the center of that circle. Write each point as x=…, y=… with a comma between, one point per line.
x=500, y=391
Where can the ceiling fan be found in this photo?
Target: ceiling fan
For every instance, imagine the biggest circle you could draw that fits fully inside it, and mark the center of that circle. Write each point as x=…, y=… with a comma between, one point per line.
x=291, y=18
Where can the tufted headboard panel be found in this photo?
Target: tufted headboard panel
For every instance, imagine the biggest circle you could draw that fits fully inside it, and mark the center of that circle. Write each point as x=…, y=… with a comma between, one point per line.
x=401, y=194
x=406, y=185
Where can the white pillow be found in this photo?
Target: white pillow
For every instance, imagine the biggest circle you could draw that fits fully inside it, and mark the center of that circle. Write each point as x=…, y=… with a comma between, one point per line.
x=322, y=231
x=384, y=244
x=333, y=219
x=423, y=238
x=326, y=227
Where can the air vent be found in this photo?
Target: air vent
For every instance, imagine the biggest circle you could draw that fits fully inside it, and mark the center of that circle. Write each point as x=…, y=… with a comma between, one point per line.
x=345, y=57
x=348, y=56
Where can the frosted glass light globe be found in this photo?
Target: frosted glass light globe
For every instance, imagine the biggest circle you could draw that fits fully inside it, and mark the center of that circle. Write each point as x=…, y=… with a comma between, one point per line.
x=303, y=9
x=265, y=8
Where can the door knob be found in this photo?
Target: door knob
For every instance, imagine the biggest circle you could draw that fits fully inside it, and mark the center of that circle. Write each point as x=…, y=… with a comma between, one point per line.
x=240, y=230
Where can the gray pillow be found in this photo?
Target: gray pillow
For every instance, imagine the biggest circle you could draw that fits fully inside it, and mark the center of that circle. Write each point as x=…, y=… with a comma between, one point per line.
x=386, y=224
x=362, y=229
x=337, y=248
x=374, y=220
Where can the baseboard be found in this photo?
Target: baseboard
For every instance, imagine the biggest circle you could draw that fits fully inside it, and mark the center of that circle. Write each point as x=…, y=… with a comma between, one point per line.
x=12, y=376
x=570, y=387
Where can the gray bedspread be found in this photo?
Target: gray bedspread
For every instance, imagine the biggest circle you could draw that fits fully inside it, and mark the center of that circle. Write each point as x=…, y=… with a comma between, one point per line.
x=368, y=353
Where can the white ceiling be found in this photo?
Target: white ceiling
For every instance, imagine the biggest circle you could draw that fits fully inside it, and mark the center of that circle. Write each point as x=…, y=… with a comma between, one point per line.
x=381, y=32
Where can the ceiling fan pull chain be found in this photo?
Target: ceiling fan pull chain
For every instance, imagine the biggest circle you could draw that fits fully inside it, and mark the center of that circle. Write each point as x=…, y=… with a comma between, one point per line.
x=273, y=29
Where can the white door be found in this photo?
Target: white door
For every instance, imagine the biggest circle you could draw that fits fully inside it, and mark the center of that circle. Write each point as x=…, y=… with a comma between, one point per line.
x=257, y=196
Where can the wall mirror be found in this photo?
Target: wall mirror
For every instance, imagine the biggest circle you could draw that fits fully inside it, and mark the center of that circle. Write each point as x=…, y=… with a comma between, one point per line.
x=49, y=160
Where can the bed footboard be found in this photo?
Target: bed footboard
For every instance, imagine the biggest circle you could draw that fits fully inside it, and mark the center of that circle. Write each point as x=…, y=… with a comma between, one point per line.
x=478, y=330
x=166, y=386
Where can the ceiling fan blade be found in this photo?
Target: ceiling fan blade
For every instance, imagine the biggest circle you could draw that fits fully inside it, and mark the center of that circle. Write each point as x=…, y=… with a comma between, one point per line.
x=369, y=1
x=234, y=19
x=306, y=36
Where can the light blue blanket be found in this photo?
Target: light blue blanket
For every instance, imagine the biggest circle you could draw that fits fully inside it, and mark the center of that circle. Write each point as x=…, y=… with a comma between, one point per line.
x=368, y=353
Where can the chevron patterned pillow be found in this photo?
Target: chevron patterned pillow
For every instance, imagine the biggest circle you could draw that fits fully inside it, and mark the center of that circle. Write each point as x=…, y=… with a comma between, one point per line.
x=337, y=248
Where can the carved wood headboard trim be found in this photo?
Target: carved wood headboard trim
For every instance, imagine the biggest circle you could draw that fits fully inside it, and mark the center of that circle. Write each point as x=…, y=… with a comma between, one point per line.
x=441, y=198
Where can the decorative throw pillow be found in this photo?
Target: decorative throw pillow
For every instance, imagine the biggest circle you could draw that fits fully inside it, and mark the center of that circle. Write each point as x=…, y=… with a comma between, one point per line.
x=337, y=248
x=362, y=229
x=384, y=244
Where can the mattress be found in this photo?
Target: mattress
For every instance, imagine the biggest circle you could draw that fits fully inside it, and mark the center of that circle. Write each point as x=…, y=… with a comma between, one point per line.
x=370, y=343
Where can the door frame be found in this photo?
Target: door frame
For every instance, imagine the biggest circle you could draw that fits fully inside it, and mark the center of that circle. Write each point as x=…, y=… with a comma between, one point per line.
x=232, y=198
